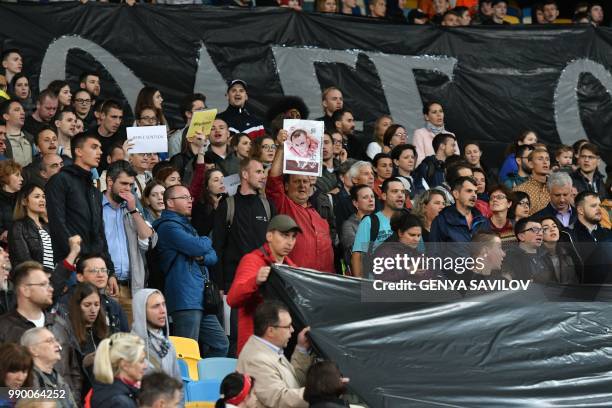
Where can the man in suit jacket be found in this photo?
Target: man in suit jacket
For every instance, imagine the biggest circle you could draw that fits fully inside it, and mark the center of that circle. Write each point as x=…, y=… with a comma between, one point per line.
x=279, y=383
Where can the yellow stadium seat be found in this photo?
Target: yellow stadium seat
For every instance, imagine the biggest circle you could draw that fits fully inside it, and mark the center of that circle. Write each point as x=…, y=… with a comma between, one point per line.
x=200, y=404
x=188, y=350
x=563, y=21
x=410, y=4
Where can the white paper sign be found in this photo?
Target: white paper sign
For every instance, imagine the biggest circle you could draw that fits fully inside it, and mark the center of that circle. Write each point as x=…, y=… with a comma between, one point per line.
x=148, y=139
x=303, y=149
x=231, y=182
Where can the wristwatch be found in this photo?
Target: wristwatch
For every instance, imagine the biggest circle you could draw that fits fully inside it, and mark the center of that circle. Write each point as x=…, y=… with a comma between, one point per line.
x=134, y=211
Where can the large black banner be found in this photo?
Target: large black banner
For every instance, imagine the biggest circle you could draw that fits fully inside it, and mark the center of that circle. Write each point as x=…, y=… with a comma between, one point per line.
x=546, y=347
x=493, y=81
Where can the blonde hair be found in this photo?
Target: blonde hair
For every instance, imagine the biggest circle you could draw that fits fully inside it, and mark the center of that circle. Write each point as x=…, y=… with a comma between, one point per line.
x=110, y=352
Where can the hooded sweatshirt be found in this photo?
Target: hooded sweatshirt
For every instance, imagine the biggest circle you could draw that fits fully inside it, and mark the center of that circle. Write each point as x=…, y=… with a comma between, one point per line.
x=161, y=355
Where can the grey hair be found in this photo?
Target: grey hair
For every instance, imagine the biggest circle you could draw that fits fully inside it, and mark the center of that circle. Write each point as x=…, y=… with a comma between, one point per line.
x=30, y=336
x=558, y=179
x=355, y=168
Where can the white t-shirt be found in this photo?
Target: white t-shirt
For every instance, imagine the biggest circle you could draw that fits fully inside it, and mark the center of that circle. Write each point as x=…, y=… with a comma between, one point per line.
x=40, y=322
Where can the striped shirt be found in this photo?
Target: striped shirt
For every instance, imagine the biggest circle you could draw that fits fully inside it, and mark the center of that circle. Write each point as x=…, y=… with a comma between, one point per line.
x=47, y=250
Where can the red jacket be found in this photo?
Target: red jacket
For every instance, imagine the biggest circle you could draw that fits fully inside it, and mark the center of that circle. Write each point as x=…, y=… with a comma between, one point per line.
x=313, y=248
x=244, y=292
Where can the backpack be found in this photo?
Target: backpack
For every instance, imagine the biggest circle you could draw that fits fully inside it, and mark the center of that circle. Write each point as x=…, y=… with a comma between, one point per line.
x=231, y=209
x=155, y=277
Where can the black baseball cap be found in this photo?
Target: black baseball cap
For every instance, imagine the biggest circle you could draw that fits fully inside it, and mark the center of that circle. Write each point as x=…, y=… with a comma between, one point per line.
x=236, y=82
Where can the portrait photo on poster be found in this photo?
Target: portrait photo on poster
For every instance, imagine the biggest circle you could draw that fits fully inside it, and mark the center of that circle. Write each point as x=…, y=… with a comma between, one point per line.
x=303, y=147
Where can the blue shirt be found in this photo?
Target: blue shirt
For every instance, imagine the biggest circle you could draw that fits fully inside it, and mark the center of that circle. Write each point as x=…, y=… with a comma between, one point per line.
x=114, y=229
x=362, y=238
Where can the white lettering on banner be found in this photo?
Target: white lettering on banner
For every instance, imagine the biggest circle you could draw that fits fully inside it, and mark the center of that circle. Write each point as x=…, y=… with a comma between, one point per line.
x=54, y=65
x=297, y=73
x=567, y=111
x=396, y=73
x=296, y=70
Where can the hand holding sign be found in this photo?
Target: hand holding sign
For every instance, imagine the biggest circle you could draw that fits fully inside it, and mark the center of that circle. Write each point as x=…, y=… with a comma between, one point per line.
x=201, y=122
x=147, y=139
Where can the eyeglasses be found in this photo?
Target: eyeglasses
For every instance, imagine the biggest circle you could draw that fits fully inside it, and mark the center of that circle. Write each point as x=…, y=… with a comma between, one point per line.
x=588, y=157
x=289, y=326
x=524, y=203
x=498, y=197
x=338, y=142
x=50, y=340
x=535, y=230
x=268, y=147
x=45, y=285
x=82, y=101
x=185, y=197
x=98, y=271
x=148, y=119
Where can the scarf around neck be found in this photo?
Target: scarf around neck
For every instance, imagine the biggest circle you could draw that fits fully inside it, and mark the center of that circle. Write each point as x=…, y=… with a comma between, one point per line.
x=434, y=129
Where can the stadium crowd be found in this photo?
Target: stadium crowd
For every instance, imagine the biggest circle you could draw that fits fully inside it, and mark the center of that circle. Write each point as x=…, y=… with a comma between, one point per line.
x=451, y=13
x=106, y=253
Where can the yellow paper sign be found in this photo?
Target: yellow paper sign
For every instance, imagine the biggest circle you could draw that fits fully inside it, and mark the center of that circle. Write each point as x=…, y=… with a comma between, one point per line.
x=201, y=121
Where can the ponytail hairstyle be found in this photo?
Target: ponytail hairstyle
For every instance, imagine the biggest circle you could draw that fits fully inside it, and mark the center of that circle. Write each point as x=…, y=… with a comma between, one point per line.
x=235, y=388
x=110, y=352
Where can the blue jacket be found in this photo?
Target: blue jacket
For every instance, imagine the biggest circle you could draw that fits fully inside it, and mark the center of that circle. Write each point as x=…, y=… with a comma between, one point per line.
x=451, y=227
x=178, y=245
x=509, y=166
x=431, y=170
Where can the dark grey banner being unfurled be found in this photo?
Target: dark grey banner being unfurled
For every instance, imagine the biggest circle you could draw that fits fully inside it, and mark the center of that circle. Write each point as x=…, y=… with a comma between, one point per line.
x=494, y=82
x=517, y=346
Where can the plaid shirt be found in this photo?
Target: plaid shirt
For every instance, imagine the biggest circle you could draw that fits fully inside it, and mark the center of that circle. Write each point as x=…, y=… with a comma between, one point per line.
x=537, y=192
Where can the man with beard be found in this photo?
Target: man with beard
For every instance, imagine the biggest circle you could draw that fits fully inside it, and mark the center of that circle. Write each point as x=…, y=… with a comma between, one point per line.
x=459, y=222
x=151, y=325
x=236, y=116
x=528, y=260
x=34, y=294
x=108, y=131
x=328, y=182
x=592, y=240
x=522, y=161
x=344, y=123
x=254, y=269
x=127, y=233
x=375, y=229
x=74, y=205
x=240, y=226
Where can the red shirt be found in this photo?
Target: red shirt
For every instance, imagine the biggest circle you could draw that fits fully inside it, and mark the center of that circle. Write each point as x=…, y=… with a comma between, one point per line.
x=244, y=292
x=313, y=247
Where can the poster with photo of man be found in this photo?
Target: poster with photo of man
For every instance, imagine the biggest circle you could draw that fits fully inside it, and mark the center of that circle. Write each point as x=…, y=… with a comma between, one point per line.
x=303, y=149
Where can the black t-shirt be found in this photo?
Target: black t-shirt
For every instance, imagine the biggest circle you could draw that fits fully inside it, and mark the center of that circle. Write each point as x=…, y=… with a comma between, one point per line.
x=107, y=143
x=32, y=126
